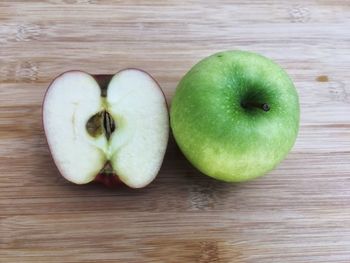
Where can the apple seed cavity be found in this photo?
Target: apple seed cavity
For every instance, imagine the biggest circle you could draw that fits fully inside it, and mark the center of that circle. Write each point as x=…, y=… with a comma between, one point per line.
x=101, y=123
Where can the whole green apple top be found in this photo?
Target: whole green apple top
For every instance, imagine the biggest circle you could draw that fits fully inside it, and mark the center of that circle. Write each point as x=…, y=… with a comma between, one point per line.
x=235, y=115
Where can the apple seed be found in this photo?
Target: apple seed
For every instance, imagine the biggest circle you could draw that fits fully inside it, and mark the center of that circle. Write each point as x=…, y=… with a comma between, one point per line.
x=101, y=122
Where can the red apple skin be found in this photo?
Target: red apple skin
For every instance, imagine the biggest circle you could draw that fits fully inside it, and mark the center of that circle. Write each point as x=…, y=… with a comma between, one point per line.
x=108, y=180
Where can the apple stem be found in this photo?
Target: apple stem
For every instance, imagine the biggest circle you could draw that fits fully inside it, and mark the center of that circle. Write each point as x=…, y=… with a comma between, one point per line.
x=264, y=106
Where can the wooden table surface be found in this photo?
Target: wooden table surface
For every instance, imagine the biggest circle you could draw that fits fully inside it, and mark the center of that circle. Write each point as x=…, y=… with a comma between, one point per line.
x=300, y=212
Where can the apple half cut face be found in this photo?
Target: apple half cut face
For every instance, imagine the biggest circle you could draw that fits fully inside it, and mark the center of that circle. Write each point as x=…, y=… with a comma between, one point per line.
x=106, y=128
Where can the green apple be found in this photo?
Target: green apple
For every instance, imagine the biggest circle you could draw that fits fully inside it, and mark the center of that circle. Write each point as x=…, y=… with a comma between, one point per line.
x=235, y=115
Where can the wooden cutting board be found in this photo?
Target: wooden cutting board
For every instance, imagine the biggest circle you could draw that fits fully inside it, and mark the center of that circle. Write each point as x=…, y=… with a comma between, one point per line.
x=300, y=212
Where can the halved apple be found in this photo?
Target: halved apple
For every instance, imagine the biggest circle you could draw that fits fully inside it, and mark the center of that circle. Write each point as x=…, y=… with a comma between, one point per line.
x=106, y=128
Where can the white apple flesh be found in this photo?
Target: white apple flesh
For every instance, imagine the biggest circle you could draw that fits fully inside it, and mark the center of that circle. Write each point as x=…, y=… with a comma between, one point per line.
x=114, y=132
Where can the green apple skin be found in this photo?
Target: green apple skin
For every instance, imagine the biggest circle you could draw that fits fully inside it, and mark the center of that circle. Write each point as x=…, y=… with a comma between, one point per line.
x=218, y=123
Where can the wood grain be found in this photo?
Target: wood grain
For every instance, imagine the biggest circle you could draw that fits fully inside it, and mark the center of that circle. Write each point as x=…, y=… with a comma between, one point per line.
x=300, y=212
